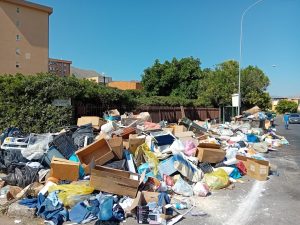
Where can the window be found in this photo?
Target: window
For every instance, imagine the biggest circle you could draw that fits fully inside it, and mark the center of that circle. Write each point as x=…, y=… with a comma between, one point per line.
x=18, y=10
x=18, y=23
x=18, y=51
x=17, y=65
x=18, y=37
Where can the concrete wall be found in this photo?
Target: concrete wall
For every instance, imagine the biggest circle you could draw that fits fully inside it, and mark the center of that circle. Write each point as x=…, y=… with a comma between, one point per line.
x=33, y=29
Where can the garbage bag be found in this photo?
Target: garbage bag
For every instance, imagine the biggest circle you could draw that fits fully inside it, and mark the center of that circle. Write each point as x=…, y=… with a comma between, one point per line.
x=37, y=146
x=80, y=134
x=187, y=169
x=106, y=208
x=13, y=156
x=201, y=189
x=252, y=138
x=10, y=132
x=148, y=156
x=235, y=174
x=183, y=188
x=70, y=194
x=261, y=147
x=242, y=168
x=217, y=179
x=22, y=177
x=190, y=148
x=177, y=147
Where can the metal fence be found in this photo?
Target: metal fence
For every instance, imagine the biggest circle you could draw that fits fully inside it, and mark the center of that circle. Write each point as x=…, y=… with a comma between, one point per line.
x=158, y=113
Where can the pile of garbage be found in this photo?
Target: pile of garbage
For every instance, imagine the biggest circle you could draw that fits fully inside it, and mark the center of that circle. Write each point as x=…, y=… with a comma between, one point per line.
x=120, y=166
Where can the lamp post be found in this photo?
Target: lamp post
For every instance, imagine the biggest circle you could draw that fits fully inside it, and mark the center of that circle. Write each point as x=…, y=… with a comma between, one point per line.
x=240, y=61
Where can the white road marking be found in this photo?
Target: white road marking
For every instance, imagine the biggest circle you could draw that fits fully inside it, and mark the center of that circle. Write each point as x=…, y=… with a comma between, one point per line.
x=245, y=210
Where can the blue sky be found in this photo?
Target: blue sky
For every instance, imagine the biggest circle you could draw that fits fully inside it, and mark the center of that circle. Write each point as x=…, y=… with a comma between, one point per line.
x=123, y=37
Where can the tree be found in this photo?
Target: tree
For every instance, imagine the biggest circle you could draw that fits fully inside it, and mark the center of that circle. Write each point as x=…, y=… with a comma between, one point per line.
x=284, y=106
x=176, y=78
x=219, y=84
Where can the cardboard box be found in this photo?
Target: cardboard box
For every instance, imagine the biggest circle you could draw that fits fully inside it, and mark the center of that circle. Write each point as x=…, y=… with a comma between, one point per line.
x=135, y=141
x=257, y=169
x=209, y=145
x=210, y=155
x=96, y=121
x=143, y=198
x=179, y=129
x=63, y=169
x=116, y=181
x=97, y=153
x=127, y=131
x=126, y=143
x=116, y=145
x=184, y=134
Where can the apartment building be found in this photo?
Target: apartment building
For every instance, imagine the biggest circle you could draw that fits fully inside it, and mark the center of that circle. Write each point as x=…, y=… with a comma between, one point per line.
x=24, y=37
x=60, y=67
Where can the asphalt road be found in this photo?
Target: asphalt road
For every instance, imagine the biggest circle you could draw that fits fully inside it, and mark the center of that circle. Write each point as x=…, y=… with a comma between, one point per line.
x=271, y=202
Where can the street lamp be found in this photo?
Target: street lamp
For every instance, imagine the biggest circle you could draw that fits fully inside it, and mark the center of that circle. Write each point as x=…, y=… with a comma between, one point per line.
x=240, y=61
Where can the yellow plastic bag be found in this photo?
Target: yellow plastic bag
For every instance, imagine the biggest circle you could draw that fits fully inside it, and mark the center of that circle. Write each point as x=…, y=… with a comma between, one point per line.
x=70, y=194
x=217, y=179
x=149, y=157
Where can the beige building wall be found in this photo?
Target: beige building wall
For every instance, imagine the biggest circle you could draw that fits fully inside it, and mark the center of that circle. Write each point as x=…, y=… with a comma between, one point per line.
x=126, y=85
x=24, y=37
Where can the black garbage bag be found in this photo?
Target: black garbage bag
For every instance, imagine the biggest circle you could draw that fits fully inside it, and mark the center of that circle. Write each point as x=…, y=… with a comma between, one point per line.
x=13, y=156
x=80, y=134
x=120, y=165
x=22, y=177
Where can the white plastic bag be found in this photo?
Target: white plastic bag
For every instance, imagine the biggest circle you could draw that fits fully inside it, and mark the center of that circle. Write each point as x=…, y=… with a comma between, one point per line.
x=183, y=188
x=201, y=189
x=177, y=147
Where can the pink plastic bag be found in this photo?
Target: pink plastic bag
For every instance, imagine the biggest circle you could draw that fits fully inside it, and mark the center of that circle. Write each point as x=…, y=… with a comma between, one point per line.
x=190, y=148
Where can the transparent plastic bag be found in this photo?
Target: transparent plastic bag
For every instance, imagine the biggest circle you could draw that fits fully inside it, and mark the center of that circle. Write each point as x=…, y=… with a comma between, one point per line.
x=70, y=194
x=183, y=188
x=217, y=179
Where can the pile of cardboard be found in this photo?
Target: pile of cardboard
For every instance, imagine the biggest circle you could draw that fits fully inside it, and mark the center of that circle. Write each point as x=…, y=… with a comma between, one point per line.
x=140, y=162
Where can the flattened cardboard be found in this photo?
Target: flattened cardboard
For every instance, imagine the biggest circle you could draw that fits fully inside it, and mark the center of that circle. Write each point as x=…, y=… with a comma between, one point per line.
x=210, y=155
x=115, y=181
x=63, y=169
x=116, y=144
x=98, y=153
x=135, y=141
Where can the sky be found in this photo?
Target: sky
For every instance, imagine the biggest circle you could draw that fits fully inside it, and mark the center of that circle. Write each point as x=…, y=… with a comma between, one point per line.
x=121, y=38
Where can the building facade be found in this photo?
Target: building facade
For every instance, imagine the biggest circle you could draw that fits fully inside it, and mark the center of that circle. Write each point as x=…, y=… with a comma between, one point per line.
x=126, y=85
x=60, y=67
x=24, y=37
x=100, y=79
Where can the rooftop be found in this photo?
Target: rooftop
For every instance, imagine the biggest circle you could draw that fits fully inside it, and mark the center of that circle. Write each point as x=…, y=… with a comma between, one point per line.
x=32, y=5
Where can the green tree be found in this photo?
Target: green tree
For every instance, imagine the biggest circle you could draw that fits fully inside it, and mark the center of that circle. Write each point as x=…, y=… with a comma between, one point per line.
x=218, y=85
x=284, y=106
x=176, y=78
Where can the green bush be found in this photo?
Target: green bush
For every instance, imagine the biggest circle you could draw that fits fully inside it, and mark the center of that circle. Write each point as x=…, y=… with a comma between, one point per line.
x=26, y=101
x=284, y=106
x=167, y=101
